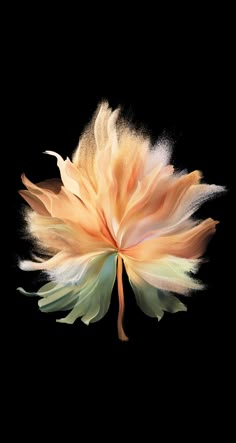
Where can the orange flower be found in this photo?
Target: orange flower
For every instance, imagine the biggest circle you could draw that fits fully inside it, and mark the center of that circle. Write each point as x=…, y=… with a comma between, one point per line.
x=118, y=202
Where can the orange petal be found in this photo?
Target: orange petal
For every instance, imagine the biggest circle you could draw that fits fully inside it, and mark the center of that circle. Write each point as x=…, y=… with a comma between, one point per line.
x=66, y=206
x=187, y=244
x=155, y=207
x=34, y=202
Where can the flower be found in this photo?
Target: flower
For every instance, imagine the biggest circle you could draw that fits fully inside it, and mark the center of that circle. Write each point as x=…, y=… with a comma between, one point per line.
x=118, y=202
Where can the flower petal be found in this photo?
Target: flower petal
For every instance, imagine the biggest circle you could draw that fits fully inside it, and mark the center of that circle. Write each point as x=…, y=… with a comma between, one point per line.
x=168, y=273
x=53, y=262
x=153, y=302
x=94, y=297
x=35, y=203
x=69, y=208
x=146, y=296
x=187, y=244
x=160, y=203
x=170, y=303
x=86, y=288
x=68, y=181
x=100, y=135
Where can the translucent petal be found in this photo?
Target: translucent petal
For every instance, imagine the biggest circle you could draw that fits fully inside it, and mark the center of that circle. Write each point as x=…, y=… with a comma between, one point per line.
x=153, y=301
x=94, y=297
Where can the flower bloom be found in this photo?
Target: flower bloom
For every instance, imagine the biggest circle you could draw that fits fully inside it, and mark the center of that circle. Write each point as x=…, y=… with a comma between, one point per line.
x=118, y=203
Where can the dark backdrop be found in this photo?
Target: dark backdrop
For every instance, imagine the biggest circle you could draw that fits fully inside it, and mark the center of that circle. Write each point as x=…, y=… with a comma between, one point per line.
x=180, y=92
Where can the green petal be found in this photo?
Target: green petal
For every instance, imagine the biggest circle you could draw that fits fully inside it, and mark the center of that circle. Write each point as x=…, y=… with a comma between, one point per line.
x=154, y=302
x=89, y=299
x=107, y=278
x=44, y=291
x=60, y=300
x=94, y=298
x=29, y=294
x=58, y=297
x=170, y=303
x=147, y=300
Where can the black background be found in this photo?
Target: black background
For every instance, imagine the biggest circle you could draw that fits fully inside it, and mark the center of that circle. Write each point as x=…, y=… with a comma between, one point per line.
x=180, y=89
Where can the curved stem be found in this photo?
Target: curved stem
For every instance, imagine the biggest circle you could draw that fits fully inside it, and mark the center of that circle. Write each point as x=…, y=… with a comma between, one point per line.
x=121, y=333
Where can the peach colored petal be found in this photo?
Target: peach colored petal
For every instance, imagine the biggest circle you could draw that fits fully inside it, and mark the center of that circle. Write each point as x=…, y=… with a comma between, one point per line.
x=187, y=244
x=69, y=208
x=69, y=183
x=34, y=202
x=158, y=207
x=32, y=199
x=127, y=167
x=57, y=234
x=104, y=127
x=138, y=207
x=100, y=134
x=63, y=205
x=178, y=219
x=40, y=193
x=53, y=184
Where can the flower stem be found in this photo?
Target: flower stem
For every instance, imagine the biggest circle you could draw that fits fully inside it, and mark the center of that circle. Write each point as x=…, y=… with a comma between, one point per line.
x=121, y=333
